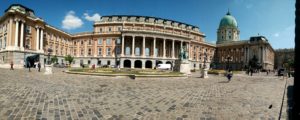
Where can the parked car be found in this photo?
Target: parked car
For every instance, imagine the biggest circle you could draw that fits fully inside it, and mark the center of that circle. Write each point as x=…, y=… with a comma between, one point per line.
x=164, y=66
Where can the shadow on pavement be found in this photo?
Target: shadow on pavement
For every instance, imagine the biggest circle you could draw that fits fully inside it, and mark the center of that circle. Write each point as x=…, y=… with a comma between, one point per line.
x=224, y=82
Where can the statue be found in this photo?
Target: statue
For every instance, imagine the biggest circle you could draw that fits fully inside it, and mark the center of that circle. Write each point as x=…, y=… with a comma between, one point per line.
x=183, y=54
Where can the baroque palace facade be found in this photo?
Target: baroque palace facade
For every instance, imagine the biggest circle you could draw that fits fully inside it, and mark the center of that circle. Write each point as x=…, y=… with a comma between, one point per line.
x=128, y=41
x=235, y=53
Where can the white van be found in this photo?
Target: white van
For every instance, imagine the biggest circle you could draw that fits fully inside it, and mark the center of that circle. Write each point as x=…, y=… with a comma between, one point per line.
x=164, y=66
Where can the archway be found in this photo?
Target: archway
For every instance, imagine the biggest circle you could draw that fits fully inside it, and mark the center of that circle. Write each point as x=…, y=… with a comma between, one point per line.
x=137, y=64
x=127, y=64
x=148, y=64
x=158, y=62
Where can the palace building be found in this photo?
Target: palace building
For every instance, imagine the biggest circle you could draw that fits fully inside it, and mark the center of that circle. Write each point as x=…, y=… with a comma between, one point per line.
x=233, y=53
x=117, y=40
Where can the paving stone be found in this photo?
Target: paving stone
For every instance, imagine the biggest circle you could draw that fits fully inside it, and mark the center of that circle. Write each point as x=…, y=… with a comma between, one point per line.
x=34, y=95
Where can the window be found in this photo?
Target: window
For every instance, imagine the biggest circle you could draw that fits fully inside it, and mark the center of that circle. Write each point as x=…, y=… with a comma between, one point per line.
x=229, y=37
x=118, y=41
x=108, y=51
x=75, y=52
x=90, y=42
x=99, y=41
x=108, y=62
x=90, y=51
x=109, y=29
x=119, y=28
x=147, y=51
x=99, y=51
x=100, y=29
x=99, y=62
x=81, y=42
x=89, y=61
x=28, y=29
x=74, y=42
x=127, y=51
x=137, y=51
x=82, y=52
x=118, y=50
x=0, y=42
x=108, y=41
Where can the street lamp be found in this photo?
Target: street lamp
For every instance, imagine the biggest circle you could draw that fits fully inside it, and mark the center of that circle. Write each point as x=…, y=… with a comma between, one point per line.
x=204, y=71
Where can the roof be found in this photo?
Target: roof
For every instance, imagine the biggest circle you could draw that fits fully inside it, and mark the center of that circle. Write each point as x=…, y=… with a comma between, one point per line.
x=228, y=20
x=26, y=8
x=150, y=17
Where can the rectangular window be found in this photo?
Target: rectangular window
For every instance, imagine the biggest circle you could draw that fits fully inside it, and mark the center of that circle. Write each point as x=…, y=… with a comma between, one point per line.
x=108, y=51
x=109, y=29
x=82, y=52
x=99, y=62
x=119, y=28
x=118, y=41
x=100, y=29
x=90, y=42
x=0, y=42
x=99, y=41
x=99, y=51
x=118, y=50
x=89, y=61
x=108, y=41
x=90, y=52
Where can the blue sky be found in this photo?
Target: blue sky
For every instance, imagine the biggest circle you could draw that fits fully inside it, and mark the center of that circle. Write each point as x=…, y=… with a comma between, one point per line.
x=271, y=18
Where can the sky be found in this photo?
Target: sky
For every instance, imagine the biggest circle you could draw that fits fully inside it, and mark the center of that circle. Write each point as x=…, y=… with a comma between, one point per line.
x=273, y=19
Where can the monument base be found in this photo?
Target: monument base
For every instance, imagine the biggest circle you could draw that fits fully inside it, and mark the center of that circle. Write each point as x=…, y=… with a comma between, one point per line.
x=185, y=68
x=48, y=69
x=204, y=73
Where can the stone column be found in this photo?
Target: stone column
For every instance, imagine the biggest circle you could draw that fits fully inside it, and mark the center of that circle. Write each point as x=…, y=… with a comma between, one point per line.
x=22, y=36
x=16, y=33
x=132, y=52
x=181, y=44
x=164, y=48
x=144, y=46
x=123, y=43
x=154, y=46
x=173, y=48
x=37, y=38
x=42, y=40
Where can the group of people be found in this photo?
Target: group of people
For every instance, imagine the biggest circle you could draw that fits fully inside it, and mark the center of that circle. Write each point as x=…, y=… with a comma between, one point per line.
x=37, y=64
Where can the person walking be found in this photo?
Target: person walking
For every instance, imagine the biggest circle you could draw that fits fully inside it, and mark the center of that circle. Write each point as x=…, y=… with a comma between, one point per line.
x=229, y=75
x=39, y=66
x=11, y=65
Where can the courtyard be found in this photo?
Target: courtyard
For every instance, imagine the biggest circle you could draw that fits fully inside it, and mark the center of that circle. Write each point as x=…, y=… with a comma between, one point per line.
x=33, y=95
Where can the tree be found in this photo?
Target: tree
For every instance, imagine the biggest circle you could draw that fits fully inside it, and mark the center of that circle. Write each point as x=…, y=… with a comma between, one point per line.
x=69, y=58
x=54, y=59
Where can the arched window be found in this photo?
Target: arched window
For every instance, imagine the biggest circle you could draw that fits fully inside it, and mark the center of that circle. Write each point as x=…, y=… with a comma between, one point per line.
x=127, y=51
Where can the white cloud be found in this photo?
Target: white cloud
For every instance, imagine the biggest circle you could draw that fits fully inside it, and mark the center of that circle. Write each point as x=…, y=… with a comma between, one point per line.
x=71, y=21
x=276, y=35
x=95, y=17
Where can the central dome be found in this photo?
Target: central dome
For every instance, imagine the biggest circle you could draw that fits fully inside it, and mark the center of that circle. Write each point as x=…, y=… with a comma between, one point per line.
x=228, y=20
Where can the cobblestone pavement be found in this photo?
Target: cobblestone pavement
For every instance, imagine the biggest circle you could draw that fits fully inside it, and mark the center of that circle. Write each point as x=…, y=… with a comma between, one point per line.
x=33, y=95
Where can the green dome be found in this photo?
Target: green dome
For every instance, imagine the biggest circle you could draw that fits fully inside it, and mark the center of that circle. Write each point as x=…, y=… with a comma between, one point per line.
x=228, y=20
